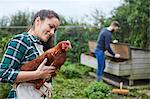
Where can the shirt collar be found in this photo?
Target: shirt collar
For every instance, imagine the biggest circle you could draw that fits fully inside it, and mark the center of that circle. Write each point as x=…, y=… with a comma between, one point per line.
x=34, y=38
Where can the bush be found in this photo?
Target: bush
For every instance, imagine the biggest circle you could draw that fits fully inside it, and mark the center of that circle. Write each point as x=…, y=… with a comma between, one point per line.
x=97, y=90
x=68, y=88
x=79, y=38
x=4, y=89
x=70, y=70
x=4, y=38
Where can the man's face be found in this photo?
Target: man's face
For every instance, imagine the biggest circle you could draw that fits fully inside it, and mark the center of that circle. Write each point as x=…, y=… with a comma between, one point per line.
x=115, y=29
x=46, y=28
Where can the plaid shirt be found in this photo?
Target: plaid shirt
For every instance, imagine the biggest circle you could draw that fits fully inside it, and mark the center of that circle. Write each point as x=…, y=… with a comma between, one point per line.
x=20, y=49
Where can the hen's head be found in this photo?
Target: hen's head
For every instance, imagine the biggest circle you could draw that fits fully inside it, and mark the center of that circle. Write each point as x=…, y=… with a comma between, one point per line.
x=66, y=45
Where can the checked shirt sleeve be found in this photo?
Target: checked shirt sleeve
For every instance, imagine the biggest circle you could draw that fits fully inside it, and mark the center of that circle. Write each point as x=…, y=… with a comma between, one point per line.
x=11, y=62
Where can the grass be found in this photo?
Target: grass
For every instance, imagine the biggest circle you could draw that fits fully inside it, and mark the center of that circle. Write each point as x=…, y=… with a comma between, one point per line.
x=74, y=88
x=70, y=88
x=65, y=87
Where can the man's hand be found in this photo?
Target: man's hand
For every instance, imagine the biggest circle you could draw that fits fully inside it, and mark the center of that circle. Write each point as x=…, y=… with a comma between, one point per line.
x=117, y=55
x=115, y=41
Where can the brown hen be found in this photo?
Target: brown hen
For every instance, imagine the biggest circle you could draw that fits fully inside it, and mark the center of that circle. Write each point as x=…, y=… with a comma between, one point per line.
x=56, y=56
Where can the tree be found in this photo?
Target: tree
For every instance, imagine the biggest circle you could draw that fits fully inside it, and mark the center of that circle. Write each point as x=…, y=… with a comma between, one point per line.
x=134, y=18
x=20, y=19
x=4, y=21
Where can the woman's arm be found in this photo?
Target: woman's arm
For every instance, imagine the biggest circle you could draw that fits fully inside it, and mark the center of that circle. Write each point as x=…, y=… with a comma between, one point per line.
x=12, y=60
x=10, y=64
x=42, y=72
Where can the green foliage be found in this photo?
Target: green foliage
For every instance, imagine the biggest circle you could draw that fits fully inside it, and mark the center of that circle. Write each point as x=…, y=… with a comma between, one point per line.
x=20, y=19
x=4, y=21
x=69, y=88
x=79, y=38
x=97, y=90
x=68, y=21
x=73, y=70
x=81, y=88
x=134, y=18
x=4, y=88
x=4, y=41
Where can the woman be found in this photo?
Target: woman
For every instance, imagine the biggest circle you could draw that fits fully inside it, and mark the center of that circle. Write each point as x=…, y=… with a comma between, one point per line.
x=26, y=47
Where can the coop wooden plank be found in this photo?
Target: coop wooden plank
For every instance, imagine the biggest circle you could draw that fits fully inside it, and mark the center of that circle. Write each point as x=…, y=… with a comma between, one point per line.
x=120, y=48
x=140, y=71
x=140, y=76
x=113, y=80
x=125, y=66
x=111, y=71
x=135, y=51
x=110, y=81
x=88, y=61
x=117, y=72
x=139, y=56
x=92, y=62
x=119, y=66
x=116, y=67
x=119, y=69
x=138, y=87
x=140, y=66
x=141, y=61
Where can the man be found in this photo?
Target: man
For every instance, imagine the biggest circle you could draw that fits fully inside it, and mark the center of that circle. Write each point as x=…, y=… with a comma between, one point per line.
x=103, y=44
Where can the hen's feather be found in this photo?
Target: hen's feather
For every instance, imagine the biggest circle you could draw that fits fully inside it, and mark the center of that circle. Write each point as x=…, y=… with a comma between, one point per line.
x=56, y=57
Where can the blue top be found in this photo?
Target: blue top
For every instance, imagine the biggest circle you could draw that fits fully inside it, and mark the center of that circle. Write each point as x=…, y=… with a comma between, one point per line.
x=104, y=40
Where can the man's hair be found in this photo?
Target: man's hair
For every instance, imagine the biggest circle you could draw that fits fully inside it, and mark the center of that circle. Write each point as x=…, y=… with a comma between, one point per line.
x=115, y=23
x=45, y=14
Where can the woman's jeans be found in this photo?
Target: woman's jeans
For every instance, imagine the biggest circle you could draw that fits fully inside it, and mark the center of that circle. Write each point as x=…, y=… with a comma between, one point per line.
x=100, y=56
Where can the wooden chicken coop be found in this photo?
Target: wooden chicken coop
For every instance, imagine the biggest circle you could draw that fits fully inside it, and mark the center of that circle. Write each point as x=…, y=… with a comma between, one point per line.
x=134, y=64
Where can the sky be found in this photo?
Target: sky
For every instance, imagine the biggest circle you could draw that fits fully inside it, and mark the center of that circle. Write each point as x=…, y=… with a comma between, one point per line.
x=67, y=8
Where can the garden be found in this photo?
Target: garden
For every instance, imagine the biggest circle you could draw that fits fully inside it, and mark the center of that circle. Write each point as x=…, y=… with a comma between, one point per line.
x=73, y=80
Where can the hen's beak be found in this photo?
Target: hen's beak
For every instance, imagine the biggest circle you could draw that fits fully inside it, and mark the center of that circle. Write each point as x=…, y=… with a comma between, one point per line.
x=69, y=44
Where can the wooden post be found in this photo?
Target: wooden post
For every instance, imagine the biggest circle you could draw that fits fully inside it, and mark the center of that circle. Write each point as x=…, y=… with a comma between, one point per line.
x=131, y=82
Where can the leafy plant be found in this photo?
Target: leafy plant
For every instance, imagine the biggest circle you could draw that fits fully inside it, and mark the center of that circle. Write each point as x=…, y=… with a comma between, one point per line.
x=97, y=90
x=73, y=70
x=4, y=38
x=4, y=88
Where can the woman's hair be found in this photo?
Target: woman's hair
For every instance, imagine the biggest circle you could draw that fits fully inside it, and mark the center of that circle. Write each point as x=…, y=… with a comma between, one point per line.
x=45, y=14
